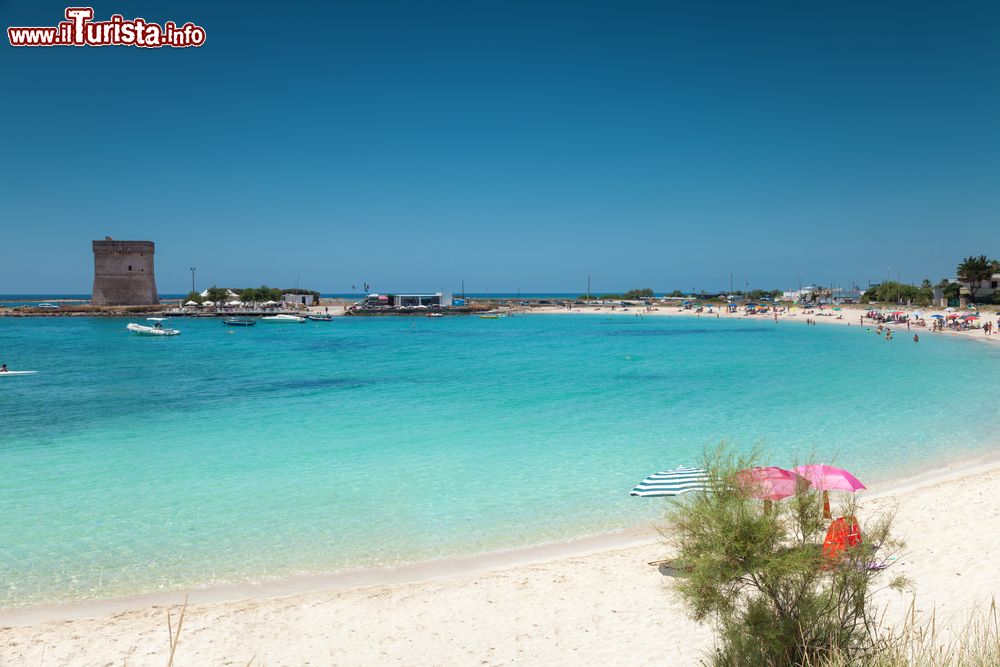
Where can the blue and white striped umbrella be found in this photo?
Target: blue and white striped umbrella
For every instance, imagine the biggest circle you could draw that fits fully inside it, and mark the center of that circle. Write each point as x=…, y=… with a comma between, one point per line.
x=672, y=482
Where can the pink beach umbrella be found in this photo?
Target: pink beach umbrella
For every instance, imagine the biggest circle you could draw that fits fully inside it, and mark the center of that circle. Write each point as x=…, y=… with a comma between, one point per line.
x=770, y=483
x=827, y=478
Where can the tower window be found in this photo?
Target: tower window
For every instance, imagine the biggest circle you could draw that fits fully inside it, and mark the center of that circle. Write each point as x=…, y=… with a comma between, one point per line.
x=129, y=267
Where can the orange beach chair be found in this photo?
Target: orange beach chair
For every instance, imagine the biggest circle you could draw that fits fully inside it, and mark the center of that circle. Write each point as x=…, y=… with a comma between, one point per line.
x=842, y=534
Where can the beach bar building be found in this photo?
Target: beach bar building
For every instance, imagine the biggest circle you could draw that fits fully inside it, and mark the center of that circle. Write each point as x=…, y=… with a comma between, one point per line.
x=436, y=300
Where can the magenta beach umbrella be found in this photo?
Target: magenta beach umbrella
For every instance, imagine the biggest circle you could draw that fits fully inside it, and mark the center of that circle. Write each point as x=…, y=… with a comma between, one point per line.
x=770, y=483
x=827, y=478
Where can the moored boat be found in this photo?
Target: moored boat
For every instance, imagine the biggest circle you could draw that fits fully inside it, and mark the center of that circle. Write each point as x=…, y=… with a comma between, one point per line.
x=239, y=321
x=320, y=318
x=435, y=314
x=283, y=319
x=158, y=328
x=489, y=317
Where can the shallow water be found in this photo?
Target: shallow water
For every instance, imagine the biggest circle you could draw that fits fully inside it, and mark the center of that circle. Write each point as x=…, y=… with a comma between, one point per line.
x=131, y=465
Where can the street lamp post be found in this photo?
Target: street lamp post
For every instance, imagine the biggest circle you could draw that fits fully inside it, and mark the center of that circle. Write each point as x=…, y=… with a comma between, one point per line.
x=193, y=269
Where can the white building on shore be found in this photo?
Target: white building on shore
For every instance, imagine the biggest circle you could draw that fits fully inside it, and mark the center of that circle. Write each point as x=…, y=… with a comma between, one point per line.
x=435, y=300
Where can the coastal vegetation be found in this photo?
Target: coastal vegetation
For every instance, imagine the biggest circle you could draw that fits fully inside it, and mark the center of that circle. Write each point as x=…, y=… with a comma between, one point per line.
x=761, y=576
x=976, y=270
x=924, y=642
x=631, y=295
x=896, y=292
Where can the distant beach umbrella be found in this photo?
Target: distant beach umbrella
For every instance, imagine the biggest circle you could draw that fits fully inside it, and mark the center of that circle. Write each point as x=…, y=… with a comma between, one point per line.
x=208, y=303
x=971, y=317
x=770, y=482
x=937, y=317
x=827, y=478
x=672, y=482
x=191, y=303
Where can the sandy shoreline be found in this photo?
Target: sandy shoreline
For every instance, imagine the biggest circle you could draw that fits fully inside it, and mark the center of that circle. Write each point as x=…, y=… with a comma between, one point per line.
x=587, y=601
x=849, y=316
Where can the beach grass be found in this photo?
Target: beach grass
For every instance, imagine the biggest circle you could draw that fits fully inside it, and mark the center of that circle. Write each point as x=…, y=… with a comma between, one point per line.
x=924, y=642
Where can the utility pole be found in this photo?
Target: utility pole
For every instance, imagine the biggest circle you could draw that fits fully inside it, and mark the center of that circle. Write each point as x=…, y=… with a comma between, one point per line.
x=463, y=290
x=588, y=288
x=730, y=283
x=193, y=269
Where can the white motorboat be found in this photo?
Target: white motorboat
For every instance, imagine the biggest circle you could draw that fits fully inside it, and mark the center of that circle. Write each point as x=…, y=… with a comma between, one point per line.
x=283, y=319
x=158, y=328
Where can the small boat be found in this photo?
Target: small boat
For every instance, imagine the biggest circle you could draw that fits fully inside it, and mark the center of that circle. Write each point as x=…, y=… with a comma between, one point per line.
x=320, y=318
x=239, y=321
x=435, y=314
x=156, y=330
x=11, y=373
x=283, y=319
x=489, y=317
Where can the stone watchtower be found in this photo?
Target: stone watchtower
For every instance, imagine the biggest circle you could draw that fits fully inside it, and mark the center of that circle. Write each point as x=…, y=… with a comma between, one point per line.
x=123, y=273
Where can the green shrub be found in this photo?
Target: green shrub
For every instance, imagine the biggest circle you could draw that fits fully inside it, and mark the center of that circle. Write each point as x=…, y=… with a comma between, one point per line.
x=761, y=578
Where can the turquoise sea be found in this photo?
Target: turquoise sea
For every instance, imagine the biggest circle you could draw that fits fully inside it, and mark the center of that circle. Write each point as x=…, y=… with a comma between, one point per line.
x=131, y=465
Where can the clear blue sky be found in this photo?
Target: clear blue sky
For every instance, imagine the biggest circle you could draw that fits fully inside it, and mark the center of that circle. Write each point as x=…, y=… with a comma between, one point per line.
x=510, y=144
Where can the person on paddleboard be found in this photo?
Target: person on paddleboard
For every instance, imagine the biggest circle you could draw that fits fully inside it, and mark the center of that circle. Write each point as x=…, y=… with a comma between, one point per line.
x=3, y=368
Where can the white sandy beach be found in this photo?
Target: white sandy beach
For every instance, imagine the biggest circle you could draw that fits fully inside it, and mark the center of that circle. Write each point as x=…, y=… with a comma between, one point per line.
x=849, y=316
x=594, y=608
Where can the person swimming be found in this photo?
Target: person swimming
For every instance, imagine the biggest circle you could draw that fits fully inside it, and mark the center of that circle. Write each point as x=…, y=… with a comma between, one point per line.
x=3, y=368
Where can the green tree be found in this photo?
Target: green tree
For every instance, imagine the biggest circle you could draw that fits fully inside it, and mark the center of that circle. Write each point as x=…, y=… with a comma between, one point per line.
x=218, y=294
x=925, y=293
x=973, y=271
x=949, y=289
x=634, y=294
x=761, y=576
x=265, y=293
x=193, y=296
